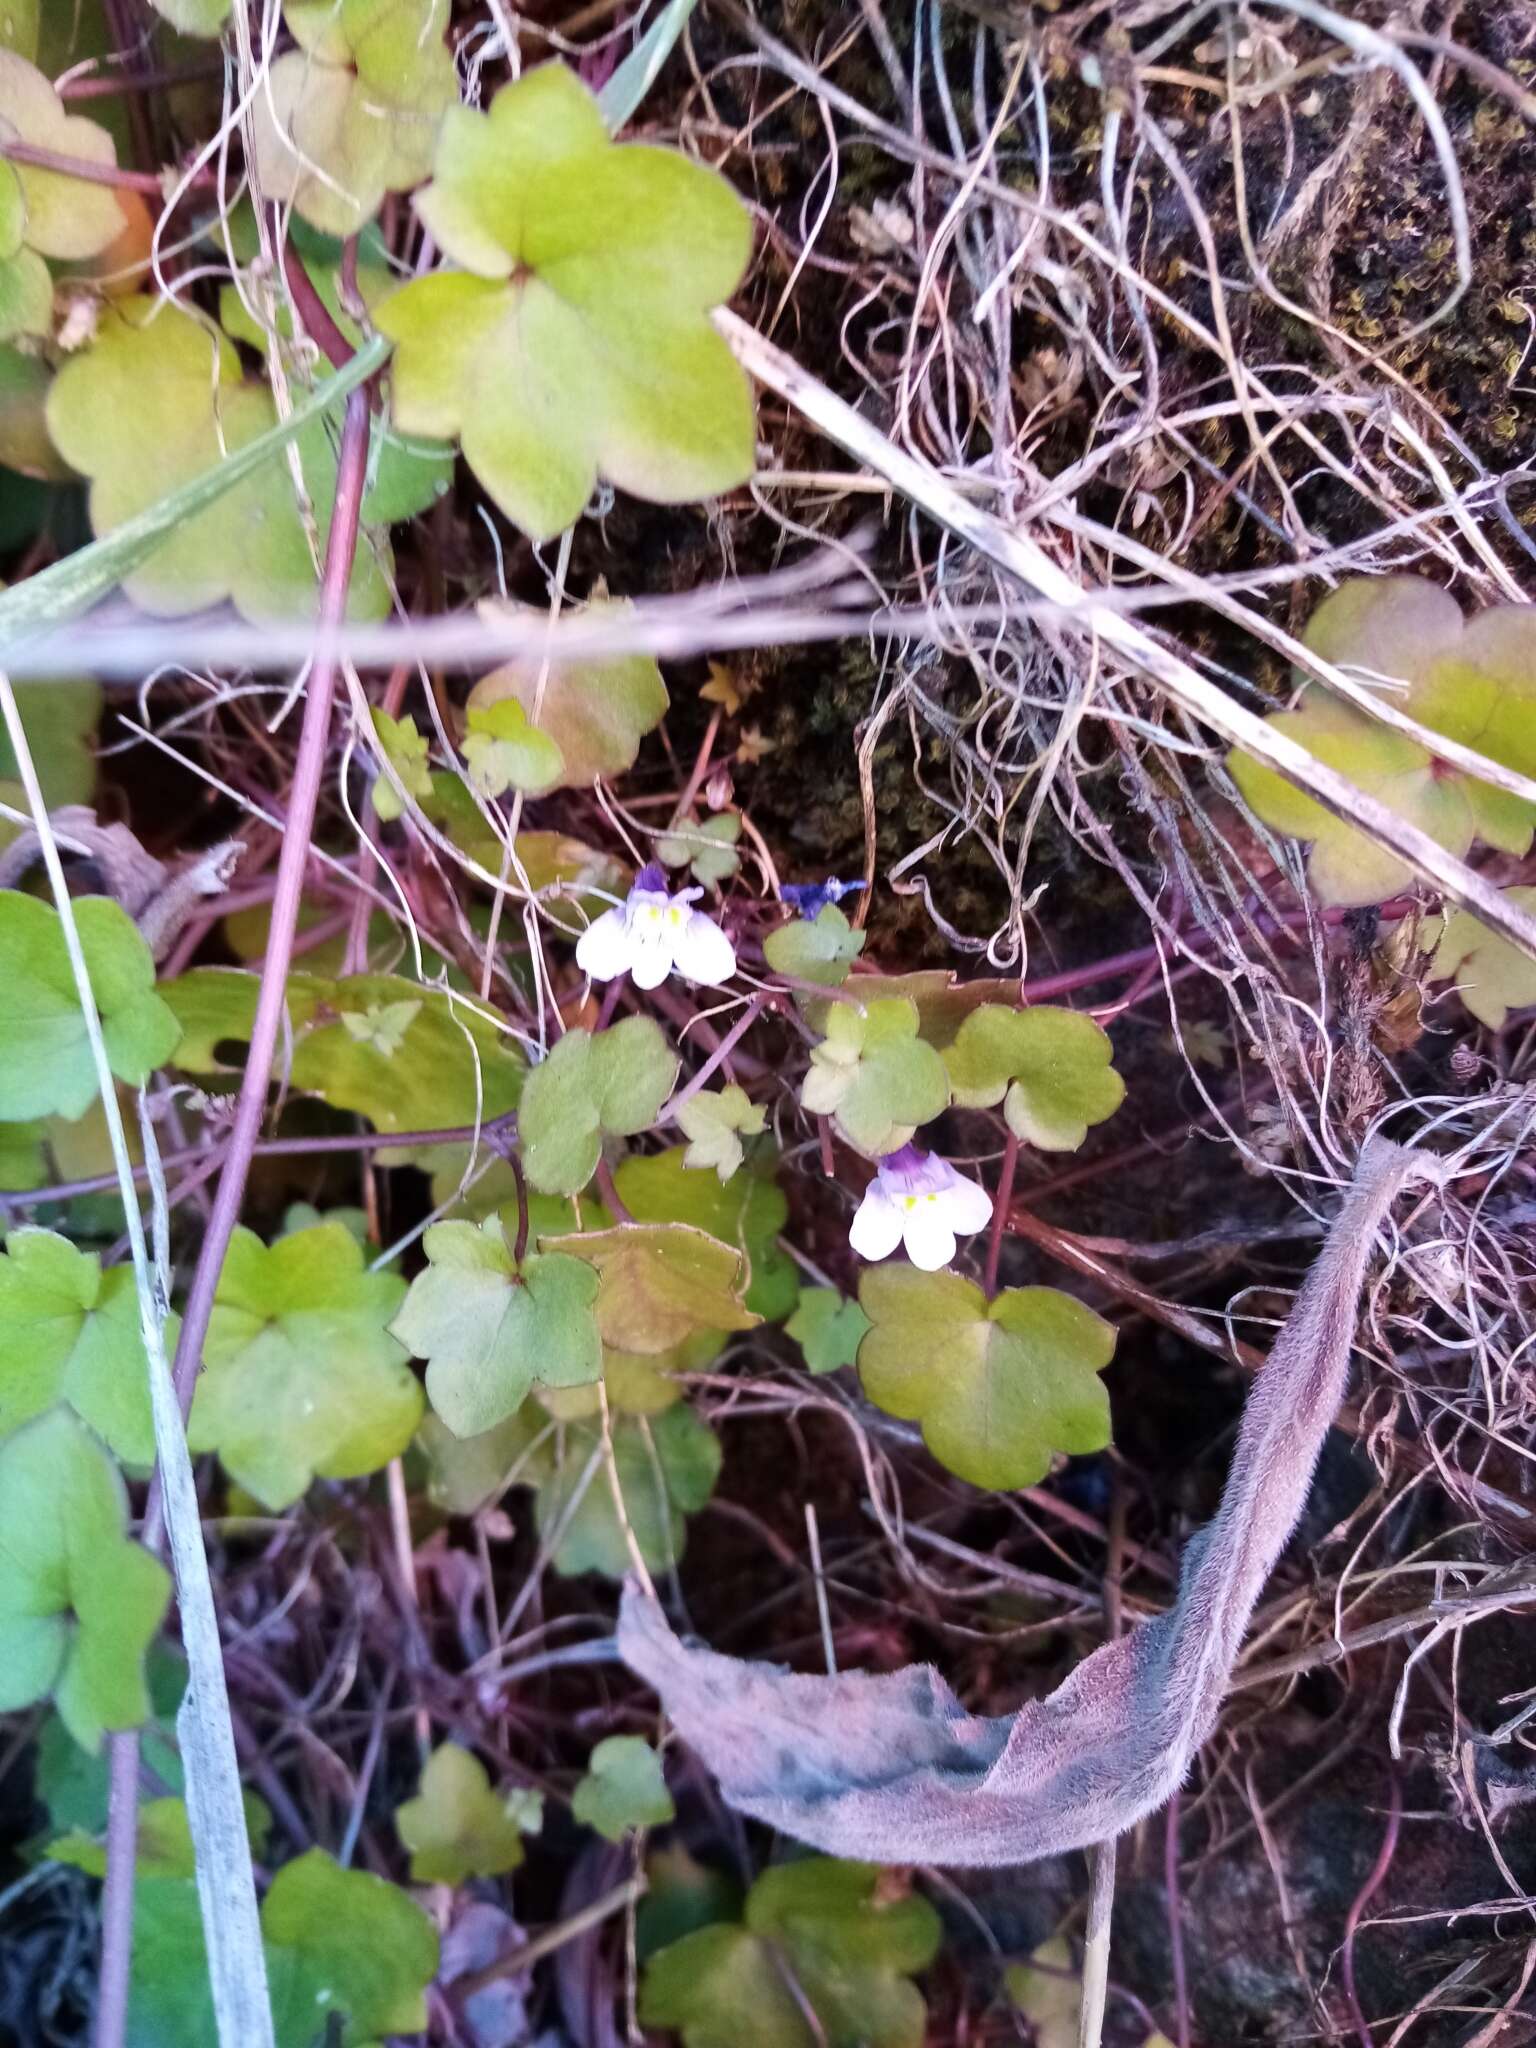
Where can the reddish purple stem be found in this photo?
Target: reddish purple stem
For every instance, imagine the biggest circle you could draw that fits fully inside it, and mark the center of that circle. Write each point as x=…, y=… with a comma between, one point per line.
x=1363, y=1898
x=341, y=546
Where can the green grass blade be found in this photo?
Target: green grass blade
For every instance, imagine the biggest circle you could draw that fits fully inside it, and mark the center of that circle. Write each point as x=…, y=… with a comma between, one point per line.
x=637, y=74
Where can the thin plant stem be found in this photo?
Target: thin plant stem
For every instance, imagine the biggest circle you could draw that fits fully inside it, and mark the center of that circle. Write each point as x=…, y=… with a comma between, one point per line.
x=1175, y=1924
x=351, y=475
x=1002, y=1208
x=150, y=183
x=111, y=2026
x=717, y=1058
x=1101, y=1900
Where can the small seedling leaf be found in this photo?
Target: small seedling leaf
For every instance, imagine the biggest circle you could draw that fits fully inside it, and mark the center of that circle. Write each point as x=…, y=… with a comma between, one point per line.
x=715, y=1123
x=623, y=1789
x=828, y=1328
x=457, y=1826
x=822, y=950
x=595, y=712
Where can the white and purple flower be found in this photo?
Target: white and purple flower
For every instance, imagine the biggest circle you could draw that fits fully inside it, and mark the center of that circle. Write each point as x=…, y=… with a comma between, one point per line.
x=652, y=934
x=918, y=1199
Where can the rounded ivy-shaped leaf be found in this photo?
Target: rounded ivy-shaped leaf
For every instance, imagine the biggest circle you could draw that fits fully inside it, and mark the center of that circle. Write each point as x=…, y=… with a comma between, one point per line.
x=749, y=1210
x=578, y=344
x=489, y=1328
x=1492, y=977
x=707, y=850
x=1476, y=684
x=46, y=1067
x=505, y=751
x=997, y=1386
x=301, y=1374
x=157, y=399
x=70, y=1332
x=406, y=1057
x=79, y=1602
x=715, y=1122
x=823, y=1960
x=590, y=1087
x=828, y=1328
x=667, y=1466
x=662, y=1283
x=594, y=712
x=347, y=1941
x=1051, y=1070
x=874, y=1076
x=354, y=112
x=57, y=215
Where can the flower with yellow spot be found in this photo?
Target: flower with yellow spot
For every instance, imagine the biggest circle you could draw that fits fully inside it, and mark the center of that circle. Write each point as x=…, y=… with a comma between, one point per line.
x=918, y=1199
x=652, y=934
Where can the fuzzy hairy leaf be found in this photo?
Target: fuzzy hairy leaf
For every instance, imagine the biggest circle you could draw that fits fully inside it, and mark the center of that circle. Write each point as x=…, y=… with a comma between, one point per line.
x=874, y=1076
x=79, y=1602
x=458, y=1827
x=46, y=1068
x=488, y=1328
x=1051, y=1070
x=997, y=1386
x=892, y=1767
x=591, y=267
x=623, y=1789
x=302, y=1378
x=589, y=1088
x=827, y=1930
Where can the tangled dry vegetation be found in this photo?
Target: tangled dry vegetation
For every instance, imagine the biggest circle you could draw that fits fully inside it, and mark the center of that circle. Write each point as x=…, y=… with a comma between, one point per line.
x=1211, y=306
